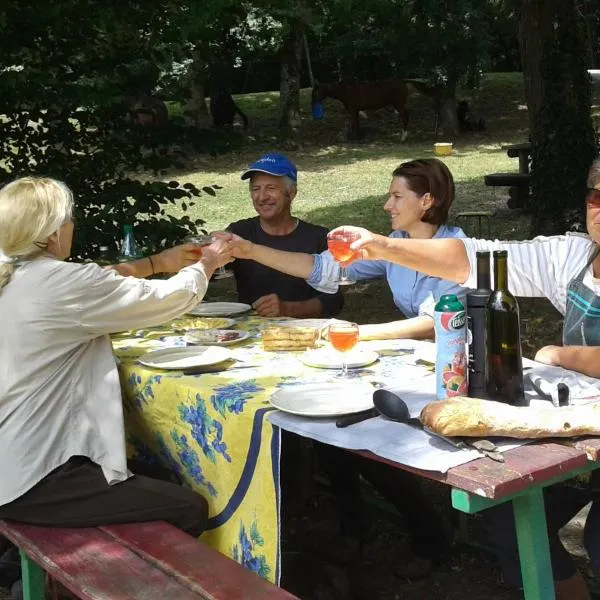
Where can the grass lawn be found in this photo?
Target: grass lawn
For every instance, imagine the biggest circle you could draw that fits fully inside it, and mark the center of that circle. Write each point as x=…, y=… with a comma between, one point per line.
x=346, y=183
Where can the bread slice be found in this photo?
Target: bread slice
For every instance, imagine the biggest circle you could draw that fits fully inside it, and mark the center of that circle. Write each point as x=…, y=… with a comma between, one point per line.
x=277, y=338
x=472, y=417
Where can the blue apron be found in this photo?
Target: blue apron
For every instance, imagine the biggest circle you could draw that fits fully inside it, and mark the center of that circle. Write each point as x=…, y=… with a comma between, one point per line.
x=582, y=318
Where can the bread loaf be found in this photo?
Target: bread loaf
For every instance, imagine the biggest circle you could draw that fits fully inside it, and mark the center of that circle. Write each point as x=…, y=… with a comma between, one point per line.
x=289, y=338
x=471, y=417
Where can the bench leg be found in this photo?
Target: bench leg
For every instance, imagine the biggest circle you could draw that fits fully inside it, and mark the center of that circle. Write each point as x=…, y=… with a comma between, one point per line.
x=33, y=579
x=534, y=550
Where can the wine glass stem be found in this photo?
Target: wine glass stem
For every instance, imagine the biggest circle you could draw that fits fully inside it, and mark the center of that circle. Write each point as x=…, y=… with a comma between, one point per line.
x=344, y=370
x=343, y=274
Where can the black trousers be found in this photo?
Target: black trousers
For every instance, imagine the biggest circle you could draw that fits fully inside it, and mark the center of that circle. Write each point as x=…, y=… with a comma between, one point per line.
x=429, y=534
x=77, y=495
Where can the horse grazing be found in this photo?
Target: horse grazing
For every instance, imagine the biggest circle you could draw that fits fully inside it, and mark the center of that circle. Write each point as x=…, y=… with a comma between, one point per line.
x=365, y=95
x=223, y=110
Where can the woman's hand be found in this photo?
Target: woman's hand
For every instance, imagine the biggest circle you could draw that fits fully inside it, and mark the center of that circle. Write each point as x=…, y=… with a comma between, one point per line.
x=241, y=248
x=368, y=246
x=174, y=259
x=217, y=254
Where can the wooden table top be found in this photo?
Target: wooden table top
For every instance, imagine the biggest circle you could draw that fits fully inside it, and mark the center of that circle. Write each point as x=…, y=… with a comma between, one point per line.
x=530, y=464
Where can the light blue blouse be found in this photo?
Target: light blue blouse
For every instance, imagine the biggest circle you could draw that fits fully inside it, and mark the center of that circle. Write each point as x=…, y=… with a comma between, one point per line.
x=414, y=294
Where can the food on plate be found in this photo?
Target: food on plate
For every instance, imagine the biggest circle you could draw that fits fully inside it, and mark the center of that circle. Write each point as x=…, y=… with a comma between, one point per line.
x=472, y=417
x=207, y=336
x=188, y=323
x=289, y=338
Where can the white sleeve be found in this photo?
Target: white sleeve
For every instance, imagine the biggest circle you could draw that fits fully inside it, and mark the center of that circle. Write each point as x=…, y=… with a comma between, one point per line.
x=542, y=267
x=108, y=302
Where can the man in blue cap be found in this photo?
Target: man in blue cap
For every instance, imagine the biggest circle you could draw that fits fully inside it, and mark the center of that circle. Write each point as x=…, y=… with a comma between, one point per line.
x=273, y=186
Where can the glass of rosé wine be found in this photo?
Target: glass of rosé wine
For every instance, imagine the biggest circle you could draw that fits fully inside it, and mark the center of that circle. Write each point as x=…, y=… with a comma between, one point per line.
x=343, y=336
x=338, y=243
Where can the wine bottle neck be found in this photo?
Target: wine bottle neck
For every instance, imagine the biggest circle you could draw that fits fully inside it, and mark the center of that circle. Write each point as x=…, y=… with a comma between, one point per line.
x=483, y=271
x=500, y=273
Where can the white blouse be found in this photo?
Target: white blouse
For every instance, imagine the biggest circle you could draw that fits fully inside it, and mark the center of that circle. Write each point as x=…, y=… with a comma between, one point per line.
x=539, y=268
x=59, y=387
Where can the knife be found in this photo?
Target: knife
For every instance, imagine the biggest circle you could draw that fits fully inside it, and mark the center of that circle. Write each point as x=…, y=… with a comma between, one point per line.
x=215, y=369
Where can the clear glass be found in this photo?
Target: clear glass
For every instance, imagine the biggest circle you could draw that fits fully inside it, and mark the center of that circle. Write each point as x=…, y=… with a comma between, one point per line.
x=221, y=272
x=343, y=336
x=338, y=243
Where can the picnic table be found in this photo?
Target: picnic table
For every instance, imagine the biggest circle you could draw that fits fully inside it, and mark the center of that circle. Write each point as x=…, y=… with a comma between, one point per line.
x=214, y=430
x=518, y=182
x=521, y=479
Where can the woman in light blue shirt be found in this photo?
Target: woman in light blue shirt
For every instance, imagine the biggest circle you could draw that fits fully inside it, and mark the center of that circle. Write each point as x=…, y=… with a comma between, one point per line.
x=419, y=198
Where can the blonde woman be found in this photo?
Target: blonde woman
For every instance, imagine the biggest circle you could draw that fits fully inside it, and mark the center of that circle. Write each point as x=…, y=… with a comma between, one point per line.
x=62, y=437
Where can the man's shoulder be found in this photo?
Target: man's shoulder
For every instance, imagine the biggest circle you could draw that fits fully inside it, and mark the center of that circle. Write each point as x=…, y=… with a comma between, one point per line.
x=243, y=226
x=312, y=228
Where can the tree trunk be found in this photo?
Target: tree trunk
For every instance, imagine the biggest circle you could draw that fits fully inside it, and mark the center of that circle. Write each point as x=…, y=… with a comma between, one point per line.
x=447, y=117
x=558, y=97
x=291, y=59
x=194, y=109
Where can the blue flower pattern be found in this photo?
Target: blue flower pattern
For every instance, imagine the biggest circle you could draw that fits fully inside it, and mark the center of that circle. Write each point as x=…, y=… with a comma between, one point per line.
x=141, y=393
x=231, y=398
x=207, y=432
x=245, y=552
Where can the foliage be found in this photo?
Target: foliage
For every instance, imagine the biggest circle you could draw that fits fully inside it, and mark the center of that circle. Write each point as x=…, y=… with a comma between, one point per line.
x=564, y=143
x=67, y=71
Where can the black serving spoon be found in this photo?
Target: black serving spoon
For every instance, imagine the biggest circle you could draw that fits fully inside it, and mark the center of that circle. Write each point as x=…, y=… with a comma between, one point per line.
x=387, y=404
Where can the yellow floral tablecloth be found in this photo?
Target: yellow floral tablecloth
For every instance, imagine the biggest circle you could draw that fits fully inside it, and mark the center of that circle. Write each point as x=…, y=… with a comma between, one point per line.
x=211, y=430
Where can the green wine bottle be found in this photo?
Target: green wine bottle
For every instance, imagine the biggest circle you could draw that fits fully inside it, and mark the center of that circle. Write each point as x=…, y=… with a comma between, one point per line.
x=505, y=365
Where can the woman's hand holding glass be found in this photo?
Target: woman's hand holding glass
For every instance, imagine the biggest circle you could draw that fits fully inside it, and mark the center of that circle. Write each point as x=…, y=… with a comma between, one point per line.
x=216, y=255
x=364, y=245
x=339, y=245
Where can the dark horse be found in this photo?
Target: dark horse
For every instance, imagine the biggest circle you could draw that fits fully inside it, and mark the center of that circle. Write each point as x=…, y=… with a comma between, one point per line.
x=223, y=110
x=365, y=95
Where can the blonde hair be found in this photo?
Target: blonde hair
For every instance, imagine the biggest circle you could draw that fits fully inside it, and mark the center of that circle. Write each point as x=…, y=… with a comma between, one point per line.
x=31, y=210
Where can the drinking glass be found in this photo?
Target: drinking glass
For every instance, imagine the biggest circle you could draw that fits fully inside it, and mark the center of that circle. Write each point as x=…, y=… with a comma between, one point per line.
x=221, y=272
x=343, y=336
x=338, y=243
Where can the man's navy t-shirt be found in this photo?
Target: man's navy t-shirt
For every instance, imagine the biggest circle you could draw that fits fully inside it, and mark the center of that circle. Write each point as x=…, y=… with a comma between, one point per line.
x=255, y=280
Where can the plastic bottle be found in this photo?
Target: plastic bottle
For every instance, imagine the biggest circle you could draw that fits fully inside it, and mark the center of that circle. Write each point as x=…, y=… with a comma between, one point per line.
x=129, y=248
x=450, y=337
x=504, y=338
x=477, y=328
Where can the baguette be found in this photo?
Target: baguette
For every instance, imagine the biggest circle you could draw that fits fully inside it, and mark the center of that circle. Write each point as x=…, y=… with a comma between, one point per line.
x=289, y=338
x=472, y=417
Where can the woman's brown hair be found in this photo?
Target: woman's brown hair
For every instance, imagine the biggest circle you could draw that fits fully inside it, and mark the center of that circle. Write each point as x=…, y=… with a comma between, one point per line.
x=430, y=176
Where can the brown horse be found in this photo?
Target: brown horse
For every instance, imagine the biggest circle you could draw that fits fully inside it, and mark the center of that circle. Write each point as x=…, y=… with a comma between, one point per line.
x=365, y=95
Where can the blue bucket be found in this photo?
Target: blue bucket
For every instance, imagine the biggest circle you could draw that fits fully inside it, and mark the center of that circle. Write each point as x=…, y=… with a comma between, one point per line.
x=318, y=110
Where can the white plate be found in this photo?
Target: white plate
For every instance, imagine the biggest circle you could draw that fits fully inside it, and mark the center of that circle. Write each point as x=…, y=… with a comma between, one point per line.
x=324, y=399
x=328, y=358
x=209, y=337
x=219, y=309
x=184, y=358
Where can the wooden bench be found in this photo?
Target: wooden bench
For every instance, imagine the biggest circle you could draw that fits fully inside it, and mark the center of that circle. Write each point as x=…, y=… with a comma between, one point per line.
x=139, y=561
x=518, y=183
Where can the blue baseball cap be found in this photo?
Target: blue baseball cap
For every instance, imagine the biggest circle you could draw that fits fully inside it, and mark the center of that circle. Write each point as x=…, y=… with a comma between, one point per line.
x=273, y=164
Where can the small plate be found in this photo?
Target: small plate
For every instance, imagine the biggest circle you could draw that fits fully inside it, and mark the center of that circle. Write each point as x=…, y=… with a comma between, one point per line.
x=215, y=337
x=329, y=399
x=187, y=323
x=219, y=309
x=184, y=358
x=328, y=358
